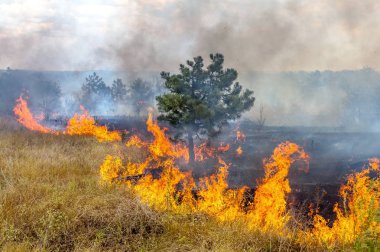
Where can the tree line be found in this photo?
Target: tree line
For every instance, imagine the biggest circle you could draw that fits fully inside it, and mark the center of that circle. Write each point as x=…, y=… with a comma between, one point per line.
x=46, y=96
x=197, y=101
x=96, y=95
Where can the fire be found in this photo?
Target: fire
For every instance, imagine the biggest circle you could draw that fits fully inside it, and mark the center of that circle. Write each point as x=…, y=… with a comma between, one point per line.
x=84, y=124
x=217, y=200
x=173, y=190
x=159, y=182
x=239, y=151
x=203, y=151
x=163, y=193
x=240, y=137
x=359, y=214
x=161, y=145
x=223, y=148
x=269, y=206
x=25, y=117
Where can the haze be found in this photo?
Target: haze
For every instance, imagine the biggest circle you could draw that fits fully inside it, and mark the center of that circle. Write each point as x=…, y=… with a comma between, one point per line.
x=142, y=35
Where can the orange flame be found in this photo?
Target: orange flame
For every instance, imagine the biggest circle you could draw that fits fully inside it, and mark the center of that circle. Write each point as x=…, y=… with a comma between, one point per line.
x=269, y=205
x=173, y=190
x=78, y=125
x=217, y=200
x=360, y=212
x=84, y=124
x=214, y=197
x=162, y=193
x=224, y=148
x=25, y=117
x=239, y=151
x=161, y=145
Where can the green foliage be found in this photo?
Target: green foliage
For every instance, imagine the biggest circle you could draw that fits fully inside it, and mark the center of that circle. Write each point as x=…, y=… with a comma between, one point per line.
x=201, y=99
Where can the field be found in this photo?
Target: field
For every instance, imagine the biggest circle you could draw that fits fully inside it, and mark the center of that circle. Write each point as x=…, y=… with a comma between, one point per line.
x=51, y=198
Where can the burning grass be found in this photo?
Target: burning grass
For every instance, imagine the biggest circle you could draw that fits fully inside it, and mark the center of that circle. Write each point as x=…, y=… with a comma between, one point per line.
x=80, y=124
x=52, y=199
x=177, y=192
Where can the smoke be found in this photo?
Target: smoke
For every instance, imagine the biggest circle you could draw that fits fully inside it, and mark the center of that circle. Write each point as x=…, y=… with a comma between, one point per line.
x=253, y=35
x=294, y=100
x=141, y=37
x=144, y=35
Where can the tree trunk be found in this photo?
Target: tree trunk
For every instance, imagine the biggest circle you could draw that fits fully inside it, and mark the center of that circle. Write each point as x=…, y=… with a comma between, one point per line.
x=191, y=147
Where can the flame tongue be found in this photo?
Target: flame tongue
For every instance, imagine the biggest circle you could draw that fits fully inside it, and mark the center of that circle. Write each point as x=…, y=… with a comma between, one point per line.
x=25, y=117
x=84, y=124
x=269, y=206
x=360, y=212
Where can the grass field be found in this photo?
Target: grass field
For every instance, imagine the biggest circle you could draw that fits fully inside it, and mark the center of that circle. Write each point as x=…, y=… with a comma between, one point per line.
x=51, y=200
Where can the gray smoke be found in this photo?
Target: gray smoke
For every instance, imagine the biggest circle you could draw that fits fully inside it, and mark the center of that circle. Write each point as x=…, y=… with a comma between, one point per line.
x=253, y=35
x=141, y=38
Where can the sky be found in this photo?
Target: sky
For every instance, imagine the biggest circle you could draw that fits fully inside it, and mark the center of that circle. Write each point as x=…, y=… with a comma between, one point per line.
x=156, y=35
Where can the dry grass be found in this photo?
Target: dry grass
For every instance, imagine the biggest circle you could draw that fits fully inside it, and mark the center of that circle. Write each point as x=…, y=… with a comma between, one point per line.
x=51, y=200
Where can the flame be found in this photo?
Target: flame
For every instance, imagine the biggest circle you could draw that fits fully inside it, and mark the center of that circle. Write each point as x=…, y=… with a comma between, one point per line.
x=163, y=192
x=359, y=214
x=240, y=137
x=135, y=141
x=217, y=200
x=159, y=182
x=269, y=206
x=84, y=124
x=25, y=117
x=161, y=145
x=223, y=148
x=173, y=190
x=239, y=151
x=177, y=191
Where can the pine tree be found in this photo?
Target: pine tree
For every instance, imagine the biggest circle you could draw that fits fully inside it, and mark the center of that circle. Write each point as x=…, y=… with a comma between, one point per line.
x=201, y=101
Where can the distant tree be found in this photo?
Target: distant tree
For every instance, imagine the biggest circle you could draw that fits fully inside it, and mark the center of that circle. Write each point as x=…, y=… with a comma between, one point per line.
x=261, y=119
x=140, y=95
x=95, y=92
x=118, y=91
x=45, y=96
x=201, y=101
